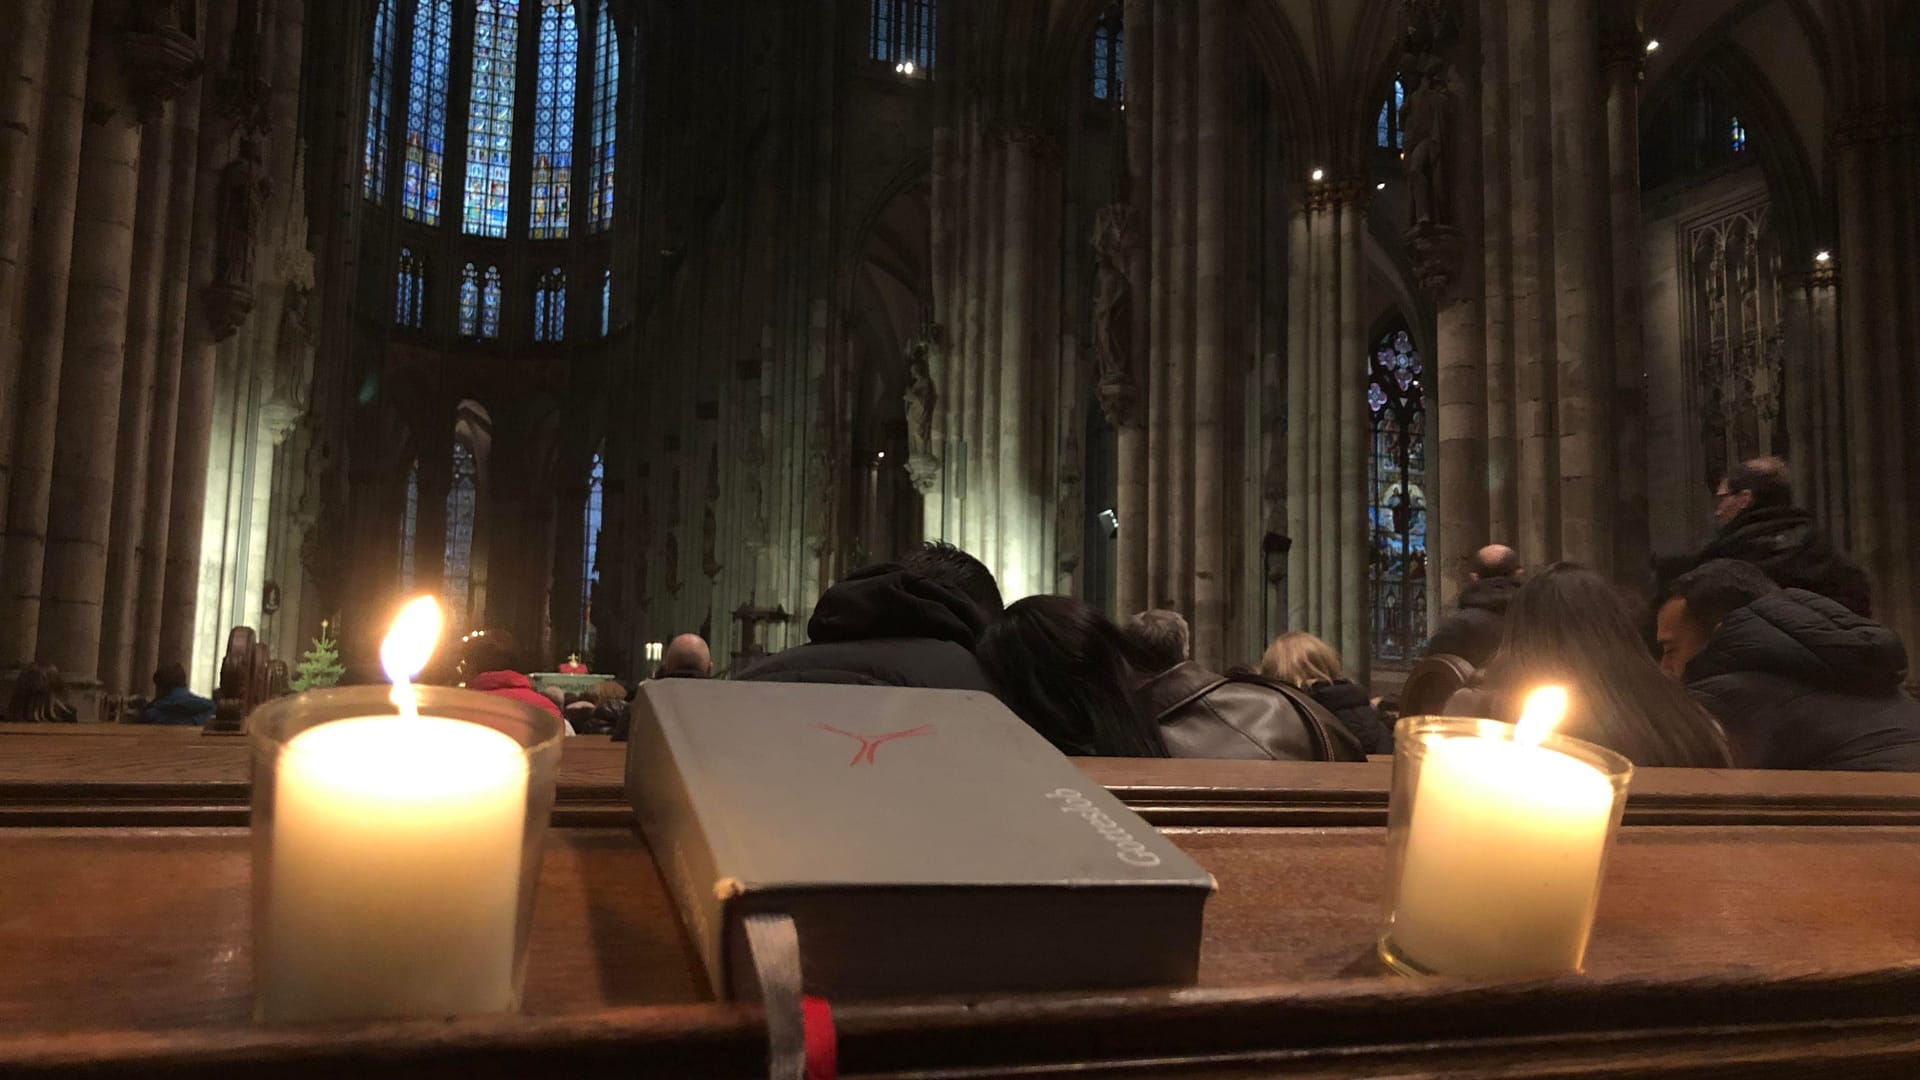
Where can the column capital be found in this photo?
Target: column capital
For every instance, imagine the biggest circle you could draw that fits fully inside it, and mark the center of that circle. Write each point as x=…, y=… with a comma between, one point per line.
x=158, y=59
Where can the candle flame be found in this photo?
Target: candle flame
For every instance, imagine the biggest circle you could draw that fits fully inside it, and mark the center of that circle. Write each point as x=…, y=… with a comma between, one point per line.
x=1544, y=710
x=408, y=645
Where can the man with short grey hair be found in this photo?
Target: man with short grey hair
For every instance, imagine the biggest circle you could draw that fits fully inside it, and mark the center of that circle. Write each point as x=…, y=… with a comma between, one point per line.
x=1473, y=632
x=1161, y=636
x=687, y=658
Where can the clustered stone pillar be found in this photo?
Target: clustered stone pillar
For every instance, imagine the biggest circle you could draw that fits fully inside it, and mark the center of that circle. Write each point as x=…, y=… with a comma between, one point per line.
x=1623, y=59
x=1327, y=422
x=1815, y=403
x=1124, y=396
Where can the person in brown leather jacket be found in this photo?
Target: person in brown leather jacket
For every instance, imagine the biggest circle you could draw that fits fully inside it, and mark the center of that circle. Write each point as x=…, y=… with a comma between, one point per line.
x=1202, y=714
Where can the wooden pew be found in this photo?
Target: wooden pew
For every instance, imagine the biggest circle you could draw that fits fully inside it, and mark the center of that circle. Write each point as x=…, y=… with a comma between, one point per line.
x=1753, y=925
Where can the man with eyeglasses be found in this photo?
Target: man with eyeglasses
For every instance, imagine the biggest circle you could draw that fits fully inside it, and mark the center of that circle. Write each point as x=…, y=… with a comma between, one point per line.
x=1759, y=524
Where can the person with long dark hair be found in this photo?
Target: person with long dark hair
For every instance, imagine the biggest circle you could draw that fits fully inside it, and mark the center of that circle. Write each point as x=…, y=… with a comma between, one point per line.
x=1069, y=672
x=1567, y=626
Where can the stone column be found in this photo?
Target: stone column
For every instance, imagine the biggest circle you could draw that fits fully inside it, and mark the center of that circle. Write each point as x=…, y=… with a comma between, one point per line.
x=1624, y=57
x=1537, y=465
x=1159, y=526
x=1345, y=400
x=1496, y=254
x=1825, y=453
x=570, y=571
x=1131, y=501
x=1016, y=567
x=1301, y=610
x=1179, y=362
x=42, y=335
x=81, y=501
x=25, y=59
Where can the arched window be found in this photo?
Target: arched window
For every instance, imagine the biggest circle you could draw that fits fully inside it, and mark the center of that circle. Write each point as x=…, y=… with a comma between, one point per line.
x=1109, y=62
x=373, y=165
x=1396, y=501
x=590, y=548
x=490, y=305
x=1736, y=135
x=427, y=112
x=606, y=302
x=1387, y=128
x=606, y=106
x=409, y=525
x=463, y=499
x=550, y=306
x=469, y=301
x=410, y=291
x=901, y=33
x=490, y=119
x=557, y=76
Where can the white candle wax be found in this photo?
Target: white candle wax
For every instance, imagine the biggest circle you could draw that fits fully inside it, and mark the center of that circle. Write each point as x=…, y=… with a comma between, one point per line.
x=395, y=870
x=1503, y=859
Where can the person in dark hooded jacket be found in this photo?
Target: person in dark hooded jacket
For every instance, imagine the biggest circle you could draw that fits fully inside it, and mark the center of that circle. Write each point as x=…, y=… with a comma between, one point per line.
x=173, y=704
x=1796, y=679
x=1760, y=525
x=1473, y=632
x=913, y=623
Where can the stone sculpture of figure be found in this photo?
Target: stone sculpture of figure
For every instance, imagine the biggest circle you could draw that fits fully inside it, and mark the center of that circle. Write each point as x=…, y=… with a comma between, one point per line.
x=1426, y=123
x=919, y=400
x=1112, y=292
x=244, y=189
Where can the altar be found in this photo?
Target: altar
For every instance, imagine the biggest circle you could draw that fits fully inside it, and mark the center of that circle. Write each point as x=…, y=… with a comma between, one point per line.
x=1752, y=925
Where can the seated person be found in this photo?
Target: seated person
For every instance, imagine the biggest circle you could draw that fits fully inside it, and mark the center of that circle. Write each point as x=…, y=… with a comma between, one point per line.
x=687, y=657
x=491, y=664
x=1473, y=632
x=1567, y=626
x=1300, y=659
x=912, y=623
x=39, y=697
x=1797, y=679
x=1069, y=673
x=173, y=703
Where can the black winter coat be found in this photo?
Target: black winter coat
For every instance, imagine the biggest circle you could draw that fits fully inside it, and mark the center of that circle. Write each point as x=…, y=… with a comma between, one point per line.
x=1473, y=632
x=1796, y=553
x=1349, y=704
x=885, y=626
x=1800, y=682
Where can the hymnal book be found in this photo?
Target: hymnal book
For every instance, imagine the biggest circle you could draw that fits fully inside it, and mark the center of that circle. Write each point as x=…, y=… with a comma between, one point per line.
x=922, y=841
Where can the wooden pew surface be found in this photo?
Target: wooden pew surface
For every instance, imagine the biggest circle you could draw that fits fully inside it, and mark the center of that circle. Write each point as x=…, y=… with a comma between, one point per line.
x=1752, y=925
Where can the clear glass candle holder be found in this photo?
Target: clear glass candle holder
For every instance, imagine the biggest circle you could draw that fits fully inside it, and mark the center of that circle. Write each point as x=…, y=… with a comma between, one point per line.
x=395, y=859
x=1495, y=848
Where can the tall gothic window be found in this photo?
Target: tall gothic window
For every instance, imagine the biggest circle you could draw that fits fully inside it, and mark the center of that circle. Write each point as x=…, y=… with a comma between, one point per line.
x=490, y=118
x=490, y=305
x=553, y=119
x=1386, y=133
x=1737, y=135
x=373, y=166
x=469, y=301
x=550, y=306
x=463, y=499
x=1109, y=63
x=427, y=112
x=902, y=34
x=606, y=302
x=590, y=547
x=410, y=291
x=1396, y=501
x=409, y=525
x=606, y=106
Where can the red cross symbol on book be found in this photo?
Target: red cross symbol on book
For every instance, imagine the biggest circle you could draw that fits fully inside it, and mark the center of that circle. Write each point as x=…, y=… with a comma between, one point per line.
x=871, y=743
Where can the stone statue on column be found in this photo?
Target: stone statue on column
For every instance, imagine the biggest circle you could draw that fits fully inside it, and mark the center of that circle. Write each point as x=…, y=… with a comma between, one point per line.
x=923, y=465
x=1426, y=123
x=244, y=189
x=1114, y=235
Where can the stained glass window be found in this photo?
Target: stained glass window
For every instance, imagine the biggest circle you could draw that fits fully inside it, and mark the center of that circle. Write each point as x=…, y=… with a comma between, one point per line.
x=1397, y=504
x=426, y=112
x=373, y=165
x=463, y=498
x=606, y=106
x=409, y=525
x=1387, y=128
x=553, y=120
x=901, y=33
x=469, y=301
x=550, y=306
x=490, y=119
x=1737, y=135
x=490, y=305
x=410, y=290
x=606, y=302
x=590, y=547
x=1109, y=63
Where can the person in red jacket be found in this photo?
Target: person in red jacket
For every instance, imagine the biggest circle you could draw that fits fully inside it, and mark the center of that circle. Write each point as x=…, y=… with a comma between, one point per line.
x=491, y=663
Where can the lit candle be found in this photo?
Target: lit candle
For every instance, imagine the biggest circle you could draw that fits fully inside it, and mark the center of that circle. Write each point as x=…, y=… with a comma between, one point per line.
x=395, y=859
x=1504, y=852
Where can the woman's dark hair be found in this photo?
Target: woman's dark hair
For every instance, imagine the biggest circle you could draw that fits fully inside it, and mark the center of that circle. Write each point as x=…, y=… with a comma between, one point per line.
x=1567, y=625
x=36, y=697
x=1068, y=672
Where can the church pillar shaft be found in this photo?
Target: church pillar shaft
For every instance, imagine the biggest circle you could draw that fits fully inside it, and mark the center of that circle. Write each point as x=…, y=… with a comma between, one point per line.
x=1300, y=569
x=1131, y=498
x=1632, y=551
x=1495, y=254
x=570, y=569
x=1830, y=440
x=1345, y=401
x=42, y=333
x=1179, y=360
x=1160, y=524
x=1537, y=467
x=26, y=66
x=1322, y=462
x=1213, y=412
x=992, y=505
x=1015, y=280
x=1582, y=291
x=121, y=598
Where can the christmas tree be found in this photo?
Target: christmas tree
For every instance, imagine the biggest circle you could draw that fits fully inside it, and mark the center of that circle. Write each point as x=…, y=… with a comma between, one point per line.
x=320, y=667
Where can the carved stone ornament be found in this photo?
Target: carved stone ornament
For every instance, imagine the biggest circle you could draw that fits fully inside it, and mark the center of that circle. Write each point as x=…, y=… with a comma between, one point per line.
x=919, y=398
x=1115, y=235
x=160, y=59
x=243, y=193
x=1426, y=123
x=226, y=307
x=1436, y=252
x=923, y=470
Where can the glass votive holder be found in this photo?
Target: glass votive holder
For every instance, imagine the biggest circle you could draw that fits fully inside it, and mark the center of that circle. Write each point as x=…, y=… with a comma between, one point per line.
x=395, y=858
x=1495, y=848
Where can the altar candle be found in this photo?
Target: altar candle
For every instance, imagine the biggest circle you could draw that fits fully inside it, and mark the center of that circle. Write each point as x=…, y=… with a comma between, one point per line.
x=395, y=865
x=1504, y=854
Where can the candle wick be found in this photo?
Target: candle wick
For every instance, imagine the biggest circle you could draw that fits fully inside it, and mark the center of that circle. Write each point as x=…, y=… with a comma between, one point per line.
x=403, y=697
